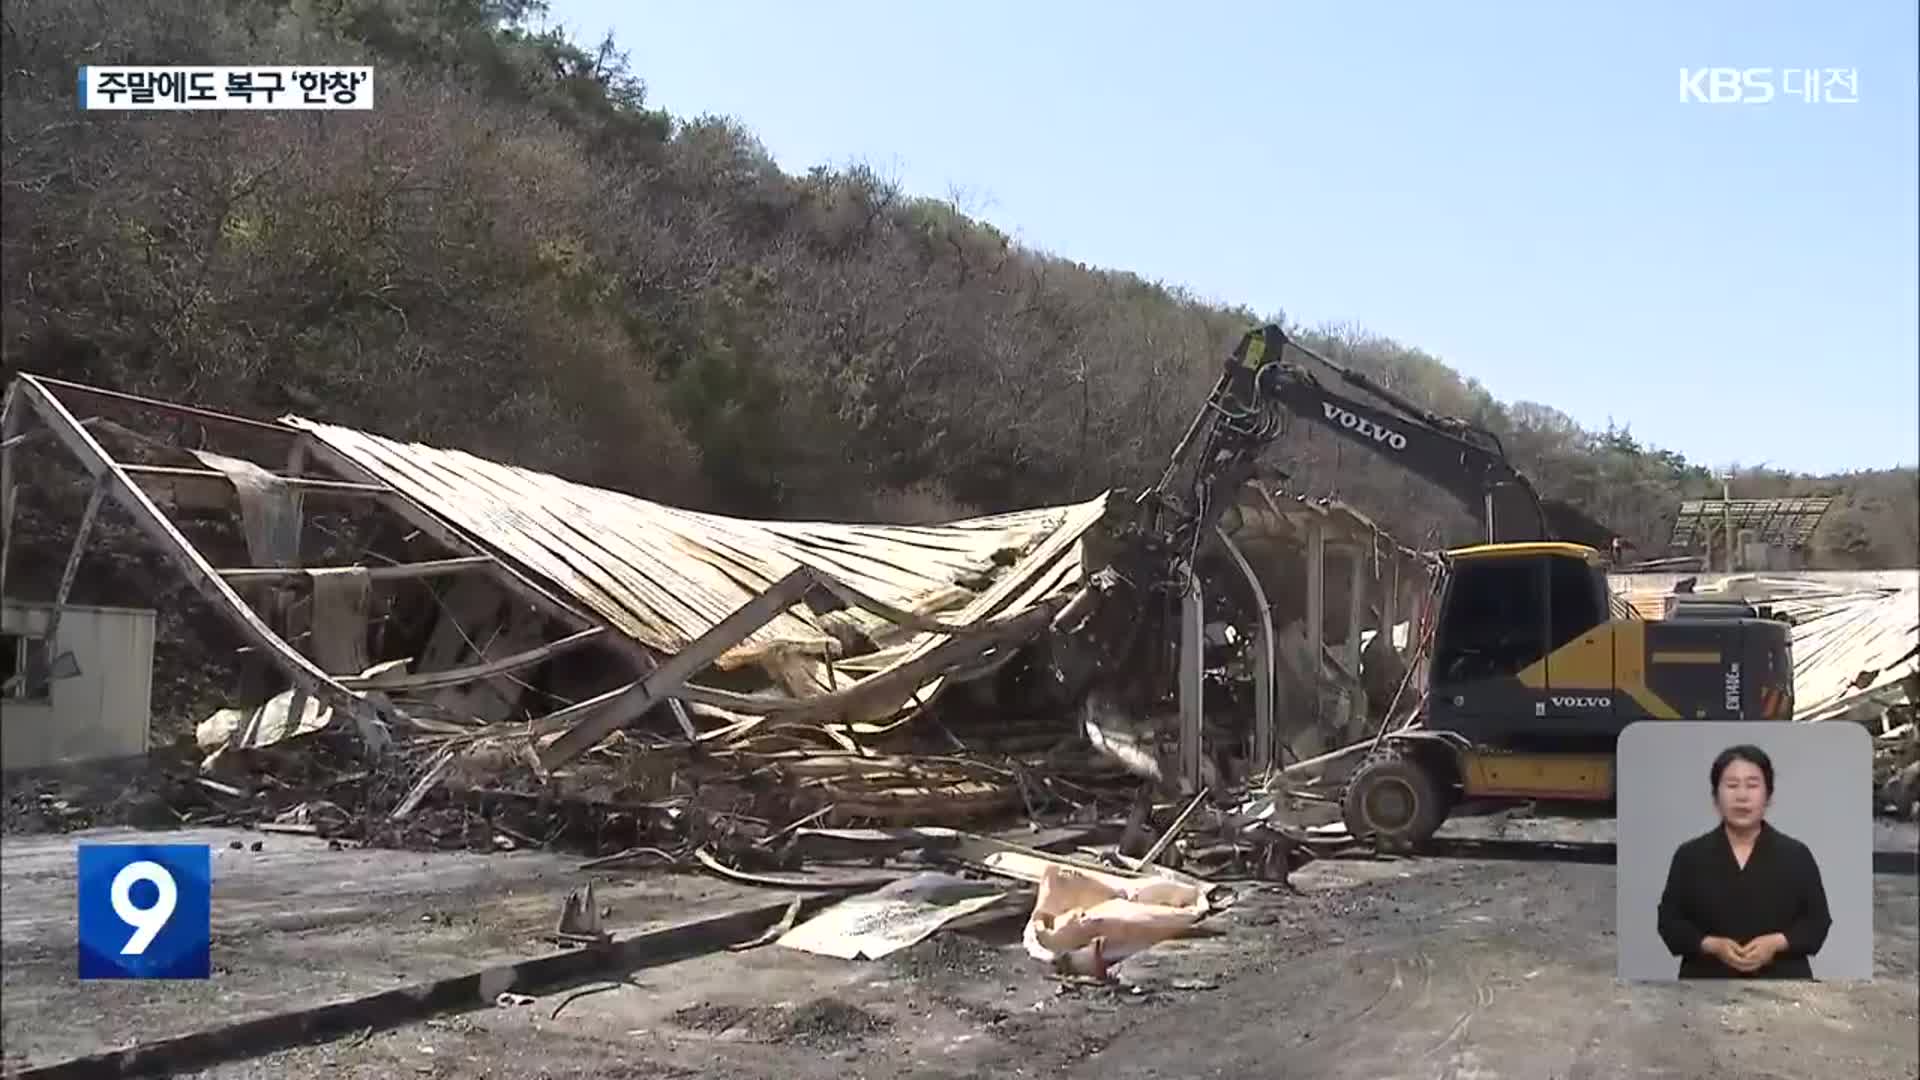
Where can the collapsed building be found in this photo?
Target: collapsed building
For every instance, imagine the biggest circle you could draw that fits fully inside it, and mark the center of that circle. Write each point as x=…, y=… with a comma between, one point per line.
x=484, y=627
x=490, y=625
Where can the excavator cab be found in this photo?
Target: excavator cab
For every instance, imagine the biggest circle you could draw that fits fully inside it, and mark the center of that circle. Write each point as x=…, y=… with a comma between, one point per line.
x=1505, y=615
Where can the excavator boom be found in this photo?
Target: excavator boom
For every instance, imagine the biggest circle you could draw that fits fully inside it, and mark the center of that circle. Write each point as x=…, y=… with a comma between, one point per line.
x=1108, y=650
x=1453, y=455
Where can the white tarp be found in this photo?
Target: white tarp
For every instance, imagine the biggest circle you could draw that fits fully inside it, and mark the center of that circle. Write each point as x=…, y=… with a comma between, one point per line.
x=1082, y=922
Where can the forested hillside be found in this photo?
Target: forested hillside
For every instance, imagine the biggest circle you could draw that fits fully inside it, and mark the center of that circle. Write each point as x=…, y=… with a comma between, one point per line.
x=515, y=255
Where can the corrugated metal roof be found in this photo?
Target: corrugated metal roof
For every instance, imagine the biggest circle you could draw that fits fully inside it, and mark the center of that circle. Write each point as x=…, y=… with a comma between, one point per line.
x=665, y=575
x=1841, y=633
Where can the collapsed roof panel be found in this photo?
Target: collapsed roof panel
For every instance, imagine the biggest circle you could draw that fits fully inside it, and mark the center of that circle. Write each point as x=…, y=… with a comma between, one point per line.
x=664, y=576
x=852, y=627
x=673, y=591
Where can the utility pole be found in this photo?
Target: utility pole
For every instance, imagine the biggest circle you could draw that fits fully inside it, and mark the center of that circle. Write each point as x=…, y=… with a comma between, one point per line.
x=1726, y=513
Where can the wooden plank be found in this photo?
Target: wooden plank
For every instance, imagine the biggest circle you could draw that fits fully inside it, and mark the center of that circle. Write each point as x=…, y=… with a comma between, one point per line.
x=847, y=561
x=528, y=540
x=401, y=572
x=1016, y=588
x=611, y=712
x=484, y=497
x=899, y=680
x=898, y=616
x=620, y=590
x=922, y=665
x=200, y=573
x=666, y=559
x=679, y=568
x=903, y=680
x=433, y=680
x=297, y=483
x=519, y=534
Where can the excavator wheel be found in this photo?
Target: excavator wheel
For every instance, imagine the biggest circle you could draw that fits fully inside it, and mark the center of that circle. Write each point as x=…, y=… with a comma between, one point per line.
x=1393, y=800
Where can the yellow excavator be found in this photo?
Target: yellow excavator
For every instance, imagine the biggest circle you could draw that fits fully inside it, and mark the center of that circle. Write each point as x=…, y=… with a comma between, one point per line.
x=1535, y=666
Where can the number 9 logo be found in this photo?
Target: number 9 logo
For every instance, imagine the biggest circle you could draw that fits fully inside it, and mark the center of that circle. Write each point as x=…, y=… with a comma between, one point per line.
x=148, y=921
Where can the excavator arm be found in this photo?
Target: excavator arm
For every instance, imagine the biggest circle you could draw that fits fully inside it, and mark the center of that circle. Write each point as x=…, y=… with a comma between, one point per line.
x=1108, y=648
x=1460, y=458
x=1267, y=378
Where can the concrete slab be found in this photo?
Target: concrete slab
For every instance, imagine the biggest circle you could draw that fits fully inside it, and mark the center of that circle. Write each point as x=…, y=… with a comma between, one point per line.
x=297, y=924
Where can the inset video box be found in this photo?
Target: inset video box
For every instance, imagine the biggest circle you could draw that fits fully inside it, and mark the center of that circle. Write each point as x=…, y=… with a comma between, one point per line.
x=1745, y=850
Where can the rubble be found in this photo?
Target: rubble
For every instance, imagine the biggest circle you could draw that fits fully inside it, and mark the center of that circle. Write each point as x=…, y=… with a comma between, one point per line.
x=523, y=662
x=491, y=658
x=1896, y=771
x=849, y=674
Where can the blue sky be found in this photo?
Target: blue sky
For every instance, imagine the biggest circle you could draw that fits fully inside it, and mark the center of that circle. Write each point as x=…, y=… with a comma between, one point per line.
x=1513, y=187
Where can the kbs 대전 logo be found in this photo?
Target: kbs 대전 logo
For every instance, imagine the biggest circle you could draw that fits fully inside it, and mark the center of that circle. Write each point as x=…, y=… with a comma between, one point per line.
x=1760, y=86
x=145, y=911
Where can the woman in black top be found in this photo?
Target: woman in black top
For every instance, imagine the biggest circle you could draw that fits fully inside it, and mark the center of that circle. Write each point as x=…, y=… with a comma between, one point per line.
x=1744, y=900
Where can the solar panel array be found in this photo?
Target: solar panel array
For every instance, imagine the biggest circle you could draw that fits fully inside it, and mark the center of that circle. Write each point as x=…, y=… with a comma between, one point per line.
x=1784, y=522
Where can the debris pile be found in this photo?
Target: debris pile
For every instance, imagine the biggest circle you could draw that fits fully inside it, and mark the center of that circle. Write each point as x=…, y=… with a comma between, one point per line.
x=1896, y=770
x=510, y=657
x=447, y=652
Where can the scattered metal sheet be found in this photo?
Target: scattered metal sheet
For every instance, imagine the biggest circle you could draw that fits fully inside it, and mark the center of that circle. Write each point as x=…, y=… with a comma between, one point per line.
x=269, y=512
x=275, y=721
x=893, y=917
x=1031, y=865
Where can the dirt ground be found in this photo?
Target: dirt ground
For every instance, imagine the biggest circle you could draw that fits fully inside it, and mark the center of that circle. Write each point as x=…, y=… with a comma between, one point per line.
x=1448, y=967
